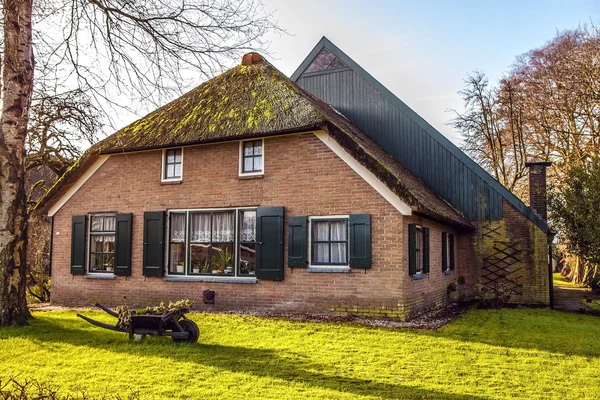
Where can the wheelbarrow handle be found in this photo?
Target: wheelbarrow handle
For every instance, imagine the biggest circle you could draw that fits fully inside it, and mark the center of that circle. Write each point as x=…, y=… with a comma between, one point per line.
x=107, y=310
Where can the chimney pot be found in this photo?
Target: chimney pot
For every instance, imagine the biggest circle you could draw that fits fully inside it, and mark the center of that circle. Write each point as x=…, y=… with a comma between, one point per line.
x=252, y=58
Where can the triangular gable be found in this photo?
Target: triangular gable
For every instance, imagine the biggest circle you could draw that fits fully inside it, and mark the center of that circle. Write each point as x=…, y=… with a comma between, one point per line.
x=324, y=60
x=475, y=178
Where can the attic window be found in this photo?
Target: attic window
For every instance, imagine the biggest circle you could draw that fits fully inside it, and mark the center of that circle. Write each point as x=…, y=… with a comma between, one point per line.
x=323, y=61
x=172, y=164
x=251, y=157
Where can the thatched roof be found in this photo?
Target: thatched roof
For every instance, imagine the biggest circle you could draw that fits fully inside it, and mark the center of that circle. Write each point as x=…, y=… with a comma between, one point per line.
x=251, y=100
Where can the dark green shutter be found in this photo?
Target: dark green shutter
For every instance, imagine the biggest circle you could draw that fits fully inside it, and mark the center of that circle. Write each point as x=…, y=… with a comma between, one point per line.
x=451, y=252
x=444, y=252
x=425, y=250
x=269, y=246
x=78, y=234
x=154, y=235
x=123, y=245
x=360, y=240
x=412, y=249
x=297, y=241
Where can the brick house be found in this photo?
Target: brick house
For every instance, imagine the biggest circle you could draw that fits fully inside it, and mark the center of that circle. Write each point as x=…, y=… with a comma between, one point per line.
x=287, y=195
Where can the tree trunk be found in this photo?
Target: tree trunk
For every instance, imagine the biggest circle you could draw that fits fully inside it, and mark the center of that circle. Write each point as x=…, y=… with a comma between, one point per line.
x=17, y=87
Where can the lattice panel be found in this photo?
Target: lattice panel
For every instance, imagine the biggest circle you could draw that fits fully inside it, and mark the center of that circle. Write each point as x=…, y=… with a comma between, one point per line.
x=504, y=265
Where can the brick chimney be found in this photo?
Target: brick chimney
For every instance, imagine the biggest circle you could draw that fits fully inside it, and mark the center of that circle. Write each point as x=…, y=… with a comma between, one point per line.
x=537, y=187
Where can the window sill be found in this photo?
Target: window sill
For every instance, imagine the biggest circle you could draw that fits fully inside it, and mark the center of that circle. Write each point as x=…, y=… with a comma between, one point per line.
x=100, y=275
x=173, y=182
x=449, y=272
x=333, y=270
x=215, y=279
x=417, y=277
x=253, y=176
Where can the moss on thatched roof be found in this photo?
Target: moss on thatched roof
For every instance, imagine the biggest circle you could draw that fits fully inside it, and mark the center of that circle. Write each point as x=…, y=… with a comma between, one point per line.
x=258, y=100
x=247, y=100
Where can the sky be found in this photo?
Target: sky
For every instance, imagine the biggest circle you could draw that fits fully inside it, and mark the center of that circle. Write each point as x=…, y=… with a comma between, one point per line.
x=423, y=50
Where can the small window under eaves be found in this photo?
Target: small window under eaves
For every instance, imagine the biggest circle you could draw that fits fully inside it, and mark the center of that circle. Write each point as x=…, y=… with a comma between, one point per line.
x=325, y=60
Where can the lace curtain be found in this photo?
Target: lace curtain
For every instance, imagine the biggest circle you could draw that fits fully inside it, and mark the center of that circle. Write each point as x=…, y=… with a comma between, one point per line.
x=178, y=227
x=223, y=227
x=248, y=229
x=104, y=224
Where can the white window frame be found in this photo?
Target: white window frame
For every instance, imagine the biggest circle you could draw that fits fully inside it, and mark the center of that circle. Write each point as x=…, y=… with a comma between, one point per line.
x=241, y=158
x=236, y=243
x=321, y=266
x=163, y=163
x=89, y=242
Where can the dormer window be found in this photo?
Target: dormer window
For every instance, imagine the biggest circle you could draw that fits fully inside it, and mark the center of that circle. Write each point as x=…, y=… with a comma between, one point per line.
x=172, y=169
x=252, y=157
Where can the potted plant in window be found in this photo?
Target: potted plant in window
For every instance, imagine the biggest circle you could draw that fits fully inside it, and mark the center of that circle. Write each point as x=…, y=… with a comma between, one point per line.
x=196, y=267
x=205, y=266
x=225, y=259
x=109, y=264
x=180, y=267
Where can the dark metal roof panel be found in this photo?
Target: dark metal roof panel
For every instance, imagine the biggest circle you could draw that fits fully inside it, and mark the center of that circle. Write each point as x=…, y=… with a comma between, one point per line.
x=409, y=138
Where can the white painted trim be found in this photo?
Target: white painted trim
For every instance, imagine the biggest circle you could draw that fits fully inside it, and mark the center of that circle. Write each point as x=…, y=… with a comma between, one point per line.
x=77, y=185
x=309, y=244
x=162, y=168
x=241, y=158
x=367, y=175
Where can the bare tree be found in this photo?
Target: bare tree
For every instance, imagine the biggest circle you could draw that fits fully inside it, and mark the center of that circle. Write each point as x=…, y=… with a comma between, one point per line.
x=107, y=50
x=547, y=107
x=493, y=128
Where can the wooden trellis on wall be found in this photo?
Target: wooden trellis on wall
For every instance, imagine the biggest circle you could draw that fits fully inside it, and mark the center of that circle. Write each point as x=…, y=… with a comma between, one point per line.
x=504, y=265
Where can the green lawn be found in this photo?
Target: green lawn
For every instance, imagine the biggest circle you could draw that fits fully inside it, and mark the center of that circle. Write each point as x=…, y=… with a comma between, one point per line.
x=501, y=354
x=560, y=281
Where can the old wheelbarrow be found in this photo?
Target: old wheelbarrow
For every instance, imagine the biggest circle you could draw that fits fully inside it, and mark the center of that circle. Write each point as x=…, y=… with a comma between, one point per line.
x=173, y=324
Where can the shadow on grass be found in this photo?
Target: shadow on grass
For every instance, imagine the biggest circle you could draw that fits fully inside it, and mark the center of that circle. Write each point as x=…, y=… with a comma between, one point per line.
x=527, y=329
x=258, y=362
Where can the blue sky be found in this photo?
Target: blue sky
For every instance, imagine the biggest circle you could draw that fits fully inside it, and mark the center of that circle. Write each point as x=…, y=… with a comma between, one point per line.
x=422, y=50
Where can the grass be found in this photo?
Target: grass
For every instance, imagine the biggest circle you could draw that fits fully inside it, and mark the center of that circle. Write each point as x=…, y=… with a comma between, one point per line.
x=562, y=282
x=498, y=354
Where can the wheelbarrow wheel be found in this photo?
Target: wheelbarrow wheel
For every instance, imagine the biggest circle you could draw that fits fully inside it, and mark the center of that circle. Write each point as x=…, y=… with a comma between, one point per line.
x=190, y=327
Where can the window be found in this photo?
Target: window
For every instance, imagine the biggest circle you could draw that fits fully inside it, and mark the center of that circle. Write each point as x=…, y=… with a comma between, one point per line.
x=247, y=264
x=329, y=241
x=177, y=243
x=251, y=160
x=419, y=250
x=102, y=242
x=447, y=252
x=172, y=164
x=211, y=242
x=325, y=60
x=219, y=242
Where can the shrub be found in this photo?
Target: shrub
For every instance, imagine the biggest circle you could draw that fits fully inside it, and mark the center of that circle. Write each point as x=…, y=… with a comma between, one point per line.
x=31, y=389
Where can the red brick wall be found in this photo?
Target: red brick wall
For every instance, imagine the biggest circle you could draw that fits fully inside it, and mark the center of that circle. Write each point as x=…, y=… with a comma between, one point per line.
x=430, y=292
x=517, y=235
x=307, y=178
x=301, y=174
